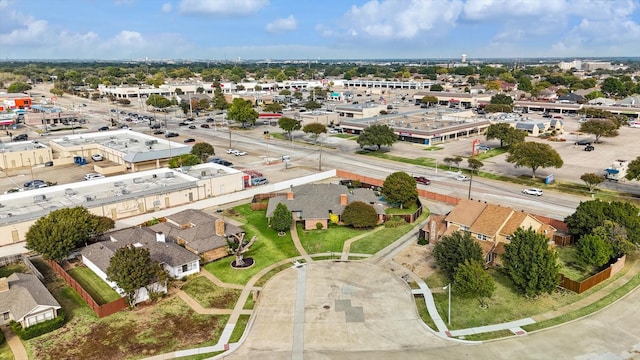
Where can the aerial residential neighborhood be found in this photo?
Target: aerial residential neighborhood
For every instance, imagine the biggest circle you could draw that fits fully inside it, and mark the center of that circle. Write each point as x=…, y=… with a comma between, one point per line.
x=366, y=179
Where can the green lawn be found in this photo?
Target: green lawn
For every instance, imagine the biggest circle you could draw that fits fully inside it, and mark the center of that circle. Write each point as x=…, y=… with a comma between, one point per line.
x=98, y=289
x=378, y=240
x=328, y=240
x=568, y=256
x=5, y=350
x=209, y=295
x=268, y=249
x=239, y=329
x=407, y=210
x=5, y=271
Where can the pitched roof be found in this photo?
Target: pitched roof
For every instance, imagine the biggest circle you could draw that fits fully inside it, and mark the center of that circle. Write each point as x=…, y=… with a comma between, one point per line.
x=316, y=201
x=167, y=252
x=197, y=229
x=491, y=220
x=514, y=222
x=25, y=293
x=466, y=212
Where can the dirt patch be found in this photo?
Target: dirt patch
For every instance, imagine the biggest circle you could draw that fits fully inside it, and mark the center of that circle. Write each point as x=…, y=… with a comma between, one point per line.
x=417, y=259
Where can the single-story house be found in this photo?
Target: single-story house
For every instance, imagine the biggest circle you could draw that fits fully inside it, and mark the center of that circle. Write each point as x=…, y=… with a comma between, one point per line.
x=176, y=260
x=320, y=203
x=491, y=225
x=24, y=299
x=199, y=232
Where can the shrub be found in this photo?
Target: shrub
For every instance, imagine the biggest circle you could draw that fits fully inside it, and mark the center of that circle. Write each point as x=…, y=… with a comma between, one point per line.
x=38, y=329
x=423, y=241
x=359, y=215
x=319, y=226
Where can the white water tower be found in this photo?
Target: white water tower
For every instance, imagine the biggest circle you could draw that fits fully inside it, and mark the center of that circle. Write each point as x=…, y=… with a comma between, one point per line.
x=463, y=58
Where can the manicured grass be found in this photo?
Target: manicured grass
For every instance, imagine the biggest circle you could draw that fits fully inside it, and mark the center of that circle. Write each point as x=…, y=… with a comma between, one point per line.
x=378, y=240
x=263, y=280
x=268, y=248
x=406, y=210
x=5, y=350
x=568, y=256
x=98, y=289
x=417, y=161
x=433, y=148
x=5, y=271
x=239, y=329
x=424, y=314
x=250, y=303
x=491, y=153
x=329, y=240
x=209, y=295
x=487, y=336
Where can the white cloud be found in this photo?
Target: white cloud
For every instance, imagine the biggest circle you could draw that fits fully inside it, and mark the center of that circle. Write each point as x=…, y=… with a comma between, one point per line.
x=397, y=19
x=166, y=7
x=283, y=25
x=506, y=9
x=221, y=7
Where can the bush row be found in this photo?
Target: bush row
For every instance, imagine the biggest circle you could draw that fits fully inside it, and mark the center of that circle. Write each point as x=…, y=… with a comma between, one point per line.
x=38, y=329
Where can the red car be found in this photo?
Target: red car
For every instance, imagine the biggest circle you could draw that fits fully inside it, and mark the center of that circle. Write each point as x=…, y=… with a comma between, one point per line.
x=422, y=180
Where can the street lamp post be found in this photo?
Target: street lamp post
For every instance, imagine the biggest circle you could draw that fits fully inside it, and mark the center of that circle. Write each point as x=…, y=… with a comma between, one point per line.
x=448, y=287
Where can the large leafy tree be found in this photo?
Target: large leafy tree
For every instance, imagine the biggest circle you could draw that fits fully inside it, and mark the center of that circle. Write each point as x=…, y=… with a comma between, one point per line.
x=593, y=250
x=592, y=214
x=158, y=101
x=616, y=236
x=377, y=135
x=501, y=99
x=429, y=100
x=289, y=125
x=359, y=215
x=242, y=111
x=592, y=180
x=281, y=219
x=530, y=263
x=600, y=128
x=202, y=150
x=56, y=235
x=312, y=105
x=18, y=87
x=453, y=250
x=472, y=280
x=633, y=172
x=534, y=155
x=273, y=107
x=315, y=129
x=400, y=188
x=507, y=134
x=184, y=160
x=132, y=268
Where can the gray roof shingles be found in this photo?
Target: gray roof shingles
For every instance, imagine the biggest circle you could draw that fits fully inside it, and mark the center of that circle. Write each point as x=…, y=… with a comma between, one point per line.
x=25, y=293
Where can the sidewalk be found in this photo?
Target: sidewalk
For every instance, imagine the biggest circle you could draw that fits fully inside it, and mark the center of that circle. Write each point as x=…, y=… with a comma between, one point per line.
x=14, y=342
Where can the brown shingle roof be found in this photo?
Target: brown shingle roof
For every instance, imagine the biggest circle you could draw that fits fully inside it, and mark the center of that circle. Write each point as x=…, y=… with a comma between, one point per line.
x=491, y=220
x=514, y=222
x=466, y=212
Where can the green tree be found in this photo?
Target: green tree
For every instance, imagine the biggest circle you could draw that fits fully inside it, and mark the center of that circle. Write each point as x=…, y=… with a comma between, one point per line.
x=453, y=250
x=158, y=101
x=400, y=188
x=184, y=160
x=315, y=129
x=18, y=87
x=507, y=134
x=378, y=135
x=600, y=128
x=592, y=180
x=633, y=172
x=612, y=86
x=273, y=107
x=289, y=125
x=436, y=87
x=594, y=213
x=471, y=280
x=242, y=111
x=430, y=100
x=284, y=92
x=534, y=155
x=56, y=91
x=501, y=99
x=219, y=101
x=312, y=105
x=616, y=235
x=132, y=268
x=359, y=215
x=56, y=235
x=202, y=150
x=524, y=84
x=281, y=219
x=474, y=164
x=530, y=263
x=593, y=250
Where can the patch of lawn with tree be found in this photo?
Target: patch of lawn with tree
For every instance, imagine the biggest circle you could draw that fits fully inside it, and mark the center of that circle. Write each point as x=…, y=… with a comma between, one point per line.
x=5, y=271
x=329, y=240
x=99, y=290
x=570, y=264
x=268, y=249
x=209, y=295
x=380, y=239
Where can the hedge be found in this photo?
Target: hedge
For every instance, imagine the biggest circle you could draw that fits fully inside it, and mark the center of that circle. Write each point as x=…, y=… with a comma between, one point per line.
x=39, y=328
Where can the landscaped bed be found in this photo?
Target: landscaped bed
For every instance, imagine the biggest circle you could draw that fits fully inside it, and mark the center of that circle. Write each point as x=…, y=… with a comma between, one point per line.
x=209, y=295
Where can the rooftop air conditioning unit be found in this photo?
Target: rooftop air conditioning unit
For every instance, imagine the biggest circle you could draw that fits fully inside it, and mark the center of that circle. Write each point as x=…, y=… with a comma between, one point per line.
x=39, y=198
x=118, y=184
x=69, y=192
x=89, y=197
x=168, y=175
x=138, y=180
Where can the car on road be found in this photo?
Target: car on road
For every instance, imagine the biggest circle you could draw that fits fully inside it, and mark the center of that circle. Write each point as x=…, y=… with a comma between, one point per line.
x=103, y=128
x=97, y=157
x=583, y=142
x=221, y=162
x=93, y=176
x=239, y=153
x=422, y=180
x=484, y=148
x=192, y=127
x=589, y=148
x=21, y=137
x=231, y=151
x=532, y=191
x=158, y=132
x=210, y=120
x=35, y=183
x=155, y=126
x=461, y=177
x=183, y=123
x=171, y=134
x=205, y=126
x=189, y=140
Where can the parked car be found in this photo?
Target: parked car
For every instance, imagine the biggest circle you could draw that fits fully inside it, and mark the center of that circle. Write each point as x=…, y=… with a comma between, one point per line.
x=183, y=123
x=21, y=137
x=97, y=157
x=239, y=153
x=13, y=190
x=34, y=183
x=532, y=191
x=222, y=162
x=189, y=140
x=422, y=180
x=158, y=132
x=210, y=120
x=93, y=176
x=547, y=115
x=231, y=151
x=155, y=126
x=461, y=177
x=484, y=148
x=583, y=142
x=192, y=127
x=205, y=126
x=171, y=134
x=259, y=181
x=104, y=128
x=589, y=148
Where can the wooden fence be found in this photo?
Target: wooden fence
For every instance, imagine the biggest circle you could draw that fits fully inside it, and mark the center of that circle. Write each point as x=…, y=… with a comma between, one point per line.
x=582, y=286
x=12, y=259
x=100, y=310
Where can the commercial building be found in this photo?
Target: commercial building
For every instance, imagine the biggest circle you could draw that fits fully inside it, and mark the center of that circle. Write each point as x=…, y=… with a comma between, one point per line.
x=21, y=154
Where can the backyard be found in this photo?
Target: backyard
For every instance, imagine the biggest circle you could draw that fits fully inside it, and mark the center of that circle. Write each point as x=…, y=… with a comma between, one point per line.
x=99, y=290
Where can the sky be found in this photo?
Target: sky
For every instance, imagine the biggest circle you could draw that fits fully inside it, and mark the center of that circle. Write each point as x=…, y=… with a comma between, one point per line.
x=317, y=29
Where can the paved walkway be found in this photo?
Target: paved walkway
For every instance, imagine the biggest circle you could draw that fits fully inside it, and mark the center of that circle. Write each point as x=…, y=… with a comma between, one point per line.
x=298, y=244
x=14, y=342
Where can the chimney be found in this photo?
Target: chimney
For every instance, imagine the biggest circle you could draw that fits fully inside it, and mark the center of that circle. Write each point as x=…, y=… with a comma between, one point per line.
x=343, y=199
x=4, y=284
x=219, y=227
x=160, y=236
x=290, y=193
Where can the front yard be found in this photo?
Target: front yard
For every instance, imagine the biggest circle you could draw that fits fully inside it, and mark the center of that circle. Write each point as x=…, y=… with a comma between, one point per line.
x=209, y=295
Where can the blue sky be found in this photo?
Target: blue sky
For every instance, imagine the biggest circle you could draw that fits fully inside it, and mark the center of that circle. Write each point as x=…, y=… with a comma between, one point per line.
x=317, y=29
